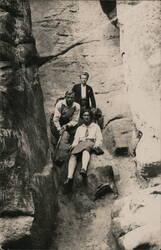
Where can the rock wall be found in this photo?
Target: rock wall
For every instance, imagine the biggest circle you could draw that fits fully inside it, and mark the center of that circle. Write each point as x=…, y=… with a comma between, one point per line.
x=136, y=217
x=23, y=134
x=136, y=220
x=140, y=45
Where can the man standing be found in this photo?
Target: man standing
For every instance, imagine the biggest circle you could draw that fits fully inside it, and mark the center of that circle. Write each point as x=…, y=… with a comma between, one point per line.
x=84, y=93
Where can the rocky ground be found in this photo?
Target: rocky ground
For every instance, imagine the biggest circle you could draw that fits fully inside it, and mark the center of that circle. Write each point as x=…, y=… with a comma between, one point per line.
x=84, y=224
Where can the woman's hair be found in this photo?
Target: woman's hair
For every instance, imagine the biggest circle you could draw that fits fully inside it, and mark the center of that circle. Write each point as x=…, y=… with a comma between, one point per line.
x=89, y=111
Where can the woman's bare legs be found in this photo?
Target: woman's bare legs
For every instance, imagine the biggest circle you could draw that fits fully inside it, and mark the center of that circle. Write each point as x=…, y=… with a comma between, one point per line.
x=71, y=166
x=85, y=159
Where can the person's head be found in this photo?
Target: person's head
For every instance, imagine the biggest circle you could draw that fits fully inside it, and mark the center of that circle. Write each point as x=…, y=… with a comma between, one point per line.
x=69, y=96
x=84, y=78
x=87, y=116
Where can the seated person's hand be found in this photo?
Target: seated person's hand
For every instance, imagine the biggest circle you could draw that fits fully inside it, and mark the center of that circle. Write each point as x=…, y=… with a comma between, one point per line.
x=71, y=147
x=63, y=128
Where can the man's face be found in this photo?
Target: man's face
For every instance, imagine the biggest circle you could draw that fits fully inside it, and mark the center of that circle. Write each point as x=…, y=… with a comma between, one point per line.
x=86, y=117
x=69, y=99
x=84, y=79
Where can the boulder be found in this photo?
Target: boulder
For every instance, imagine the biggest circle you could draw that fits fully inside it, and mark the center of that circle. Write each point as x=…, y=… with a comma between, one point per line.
x=120, y=137
x=136, y=220
x=13, y=230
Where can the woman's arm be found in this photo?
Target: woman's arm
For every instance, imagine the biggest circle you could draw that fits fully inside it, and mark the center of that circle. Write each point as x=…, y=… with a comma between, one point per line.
x=99, y=138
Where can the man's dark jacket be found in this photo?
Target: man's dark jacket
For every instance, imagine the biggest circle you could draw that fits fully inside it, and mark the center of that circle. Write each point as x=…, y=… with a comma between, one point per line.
x=89, y=95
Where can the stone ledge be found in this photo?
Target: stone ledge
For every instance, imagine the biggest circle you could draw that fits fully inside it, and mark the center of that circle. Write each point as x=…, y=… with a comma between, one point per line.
x=14, y=229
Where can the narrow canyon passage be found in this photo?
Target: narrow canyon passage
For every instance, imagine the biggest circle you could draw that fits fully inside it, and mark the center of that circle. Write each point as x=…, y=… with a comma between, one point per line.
x=82, y=223
x=40, y=59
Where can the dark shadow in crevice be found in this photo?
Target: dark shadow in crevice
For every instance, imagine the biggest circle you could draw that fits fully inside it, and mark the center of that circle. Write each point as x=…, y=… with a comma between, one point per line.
x=124, y=151
x=145, y=246
x=16, y=213
x=21, y=244
x=108, y=6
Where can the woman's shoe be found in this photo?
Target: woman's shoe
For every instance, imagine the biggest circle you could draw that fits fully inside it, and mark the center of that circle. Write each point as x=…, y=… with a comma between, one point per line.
x=83, y=173
x=68, y=184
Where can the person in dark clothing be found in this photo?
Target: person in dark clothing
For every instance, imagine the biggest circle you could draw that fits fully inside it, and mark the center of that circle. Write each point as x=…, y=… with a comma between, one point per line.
x=84, y=93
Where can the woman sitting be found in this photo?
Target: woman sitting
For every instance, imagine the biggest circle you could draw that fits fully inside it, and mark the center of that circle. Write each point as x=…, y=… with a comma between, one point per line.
x=88, y=139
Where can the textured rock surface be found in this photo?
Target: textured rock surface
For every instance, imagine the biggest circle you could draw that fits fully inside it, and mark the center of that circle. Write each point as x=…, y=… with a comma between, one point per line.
x=142, y=73
x=46, y=207
x=23, y=134
x=118, y=136
x=136, y=220
x=14, y=229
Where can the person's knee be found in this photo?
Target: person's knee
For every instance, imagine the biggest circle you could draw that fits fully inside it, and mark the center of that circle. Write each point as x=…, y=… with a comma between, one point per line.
x=73, y=158
x=86, y=153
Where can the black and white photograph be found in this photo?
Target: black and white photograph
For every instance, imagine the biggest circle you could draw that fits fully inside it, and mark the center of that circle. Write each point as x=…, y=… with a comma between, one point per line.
x=80, y=125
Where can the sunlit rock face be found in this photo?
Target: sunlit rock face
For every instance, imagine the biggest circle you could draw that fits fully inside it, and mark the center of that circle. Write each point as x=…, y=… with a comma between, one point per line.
x=136, y=220
x=140, y=47
x=23, y=134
